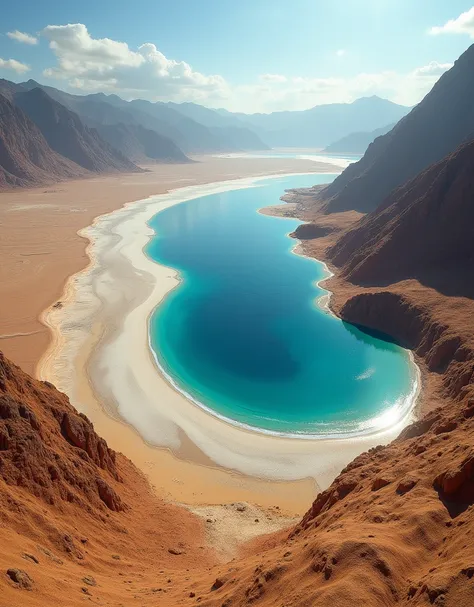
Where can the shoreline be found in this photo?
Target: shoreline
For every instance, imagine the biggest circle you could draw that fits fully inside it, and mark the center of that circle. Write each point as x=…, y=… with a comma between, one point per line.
x=293, y=456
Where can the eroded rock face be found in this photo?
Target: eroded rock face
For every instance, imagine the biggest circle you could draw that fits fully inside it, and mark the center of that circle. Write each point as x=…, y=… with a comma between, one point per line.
x=446, y=350
x=79, y=431
x=50, y=450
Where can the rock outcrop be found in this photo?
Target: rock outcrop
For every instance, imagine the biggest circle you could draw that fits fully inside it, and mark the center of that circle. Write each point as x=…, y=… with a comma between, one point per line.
x=52, y=452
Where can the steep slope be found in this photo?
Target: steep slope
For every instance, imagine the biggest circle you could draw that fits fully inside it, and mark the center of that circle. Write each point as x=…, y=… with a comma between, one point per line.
x=25, y=157
x=356, y=143
x=78, y=522
x=433, y=129
x=423, y=230
x=67, y=135
x=324, y=124
x=141, y=145
x=8, y=89
x=393, y=529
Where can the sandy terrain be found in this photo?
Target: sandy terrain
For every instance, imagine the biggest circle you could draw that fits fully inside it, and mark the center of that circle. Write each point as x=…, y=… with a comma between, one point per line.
x=101, y=359
x=36, y=265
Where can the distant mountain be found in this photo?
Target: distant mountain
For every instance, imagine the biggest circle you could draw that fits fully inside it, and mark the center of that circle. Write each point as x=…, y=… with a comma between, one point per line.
x=141, y=145
x=171, y=120
x=206, y=116
x=432, y=130
x=25, y=156
x=68, y=136
x=238, y=139
x=423, y=230
x=356, y=143
x=322, y=125
x=229, y=128
x=189, y=135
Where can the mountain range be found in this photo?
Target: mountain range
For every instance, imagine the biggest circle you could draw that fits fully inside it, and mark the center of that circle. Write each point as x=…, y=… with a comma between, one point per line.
x=324, y=124
x=356, y=143
x=103, y=133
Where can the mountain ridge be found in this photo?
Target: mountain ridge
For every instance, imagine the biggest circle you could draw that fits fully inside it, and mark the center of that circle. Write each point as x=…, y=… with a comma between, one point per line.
x=25, y=156
x=435, y=127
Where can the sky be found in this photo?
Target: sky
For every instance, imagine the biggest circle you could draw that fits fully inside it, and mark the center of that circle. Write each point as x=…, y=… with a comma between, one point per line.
x=247, y=56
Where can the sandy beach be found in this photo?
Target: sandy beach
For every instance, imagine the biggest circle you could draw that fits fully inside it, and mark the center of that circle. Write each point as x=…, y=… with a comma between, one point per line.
x=99, y=357
x=41, y=250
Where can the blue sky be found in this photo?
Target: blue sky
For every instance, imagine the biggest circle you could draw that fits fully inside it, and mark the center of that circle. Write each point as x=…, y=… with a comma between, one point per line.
x=251, y=55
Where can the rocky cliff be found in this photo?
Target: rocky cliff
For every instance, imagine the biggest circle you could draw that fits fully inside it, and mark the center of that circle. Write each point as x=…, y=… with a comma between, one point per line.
x=433, y=129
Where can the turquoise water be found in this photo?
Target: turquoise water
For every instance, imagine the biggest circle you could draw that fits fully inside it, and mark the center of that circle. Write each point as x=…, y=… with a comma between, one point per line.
x=242, y=334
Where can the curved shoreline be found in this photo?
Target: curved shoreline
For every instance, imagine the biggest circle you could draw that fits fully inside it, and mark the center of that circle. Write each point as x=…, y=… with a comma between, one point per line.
x=245, y=451
x=322, y=301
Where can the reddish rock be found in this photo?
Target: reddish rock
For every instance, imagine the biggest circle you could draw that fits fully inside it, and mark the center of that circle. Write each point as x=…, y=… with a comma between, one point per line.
x=21, y=578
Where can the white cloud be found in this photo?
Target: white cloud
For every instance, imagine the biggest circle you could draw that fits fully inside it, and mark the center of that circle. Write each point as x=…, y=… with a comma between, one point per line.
x=104, y=64
x=13, y=64
x=90, y=65
x=341, y=52
x=22, y=37
x=432, y=69
x=272, y=78
x=464, y=24
x=301, y=93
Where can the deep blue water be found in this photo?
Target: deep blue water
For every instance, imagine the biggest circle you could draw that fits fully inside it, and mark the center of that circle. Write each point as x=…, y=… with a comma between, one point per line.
x=242, y=333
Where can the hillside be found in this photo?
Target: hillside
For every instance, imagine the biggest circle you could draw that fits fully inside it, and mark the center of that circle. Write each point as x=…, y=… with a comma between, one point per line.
x=141, y=145
x=356, y=143
x=385, y=246
x=392, y=529
x=25, y=156
x=433, y=129
x=68, y=136
x=78, y=520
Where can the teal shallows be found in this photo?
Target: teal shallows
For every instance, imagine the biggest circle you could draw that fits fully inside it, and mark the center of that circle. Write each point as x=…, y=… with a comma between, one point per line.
x=242, y=333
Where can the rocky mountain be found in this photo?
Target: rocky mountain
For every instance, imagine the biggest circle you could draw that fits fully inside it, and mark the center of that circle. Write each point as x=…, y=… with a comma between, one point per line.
x=195, y=137
x=209, y=133
x=141, y=145
x=433, y=129
x=25, y=156
x=107, y=110
x=356, y=143
x=322, y=125
x=68, y=136
x=423, y=230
